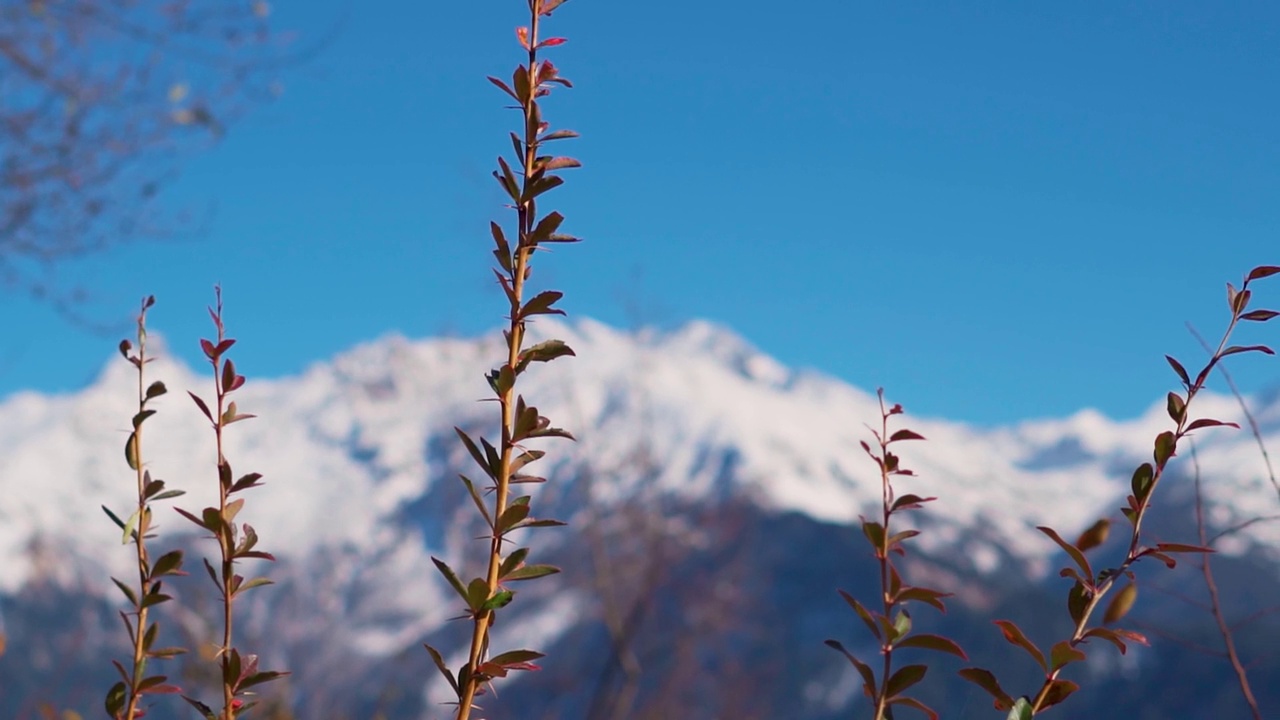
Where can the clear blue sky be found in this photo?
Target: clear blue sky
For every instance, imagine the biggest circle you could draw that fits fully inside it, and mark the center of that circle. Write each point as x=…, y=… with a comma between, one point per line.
x=996, y=210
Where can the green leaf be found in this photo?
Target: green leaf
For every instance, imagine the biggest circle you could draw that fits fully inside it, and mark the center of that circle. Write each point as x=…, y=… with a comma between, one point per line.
x=1121, y=604
x=451, y=576
x=510, y=517
x=905, y=677
x=500, y=599
x=256, y=582
x=154, y=598
x=1077, y=601
x=1142, y=480
x=1062, y=654
x=875, y=534
x=1021, y=710
x=1165, y=446
x=128, y=528
x=131, y=451
x=924, y=595
x=114, y=518
x=529, y=572
x=867, y=618
x=476, y=454
x=477, y=593
x=167, y=564
x=259, y=678
x=444, y=669
x=128, y=592
x=1176, y=407
x=512, y=657
x=475, y=497
x=901, y=625
x=141, y=417
x=115, y=699
x=512, y=561
x=1094, y=536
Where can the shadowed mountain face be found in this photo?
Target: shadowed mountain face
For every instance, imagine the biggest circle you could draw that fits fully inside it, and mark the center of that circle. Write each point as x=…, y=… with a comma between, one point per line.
x=712, y=502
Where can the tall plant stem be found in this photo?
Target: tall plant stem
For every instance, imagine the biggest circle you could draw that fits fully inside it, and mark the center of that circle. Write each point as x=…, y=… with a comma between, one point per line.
x=525, y=213
x=144, y=522
x=1135, y=550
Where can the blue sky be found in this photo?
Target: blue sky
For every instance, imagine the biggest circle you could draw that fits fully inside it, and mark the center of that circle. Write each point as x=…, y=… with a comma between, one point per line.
x=995, y=210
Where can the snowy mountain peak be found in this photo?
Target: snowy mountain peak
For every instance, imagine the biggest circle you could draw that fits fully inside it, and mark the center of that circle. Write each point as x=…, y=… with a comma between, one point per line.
x=697, y=413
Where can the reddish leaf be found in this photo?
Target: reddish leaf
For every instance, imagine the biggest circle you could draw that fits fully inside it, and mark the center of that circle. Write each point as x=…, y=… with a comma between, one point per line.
x=1183, y=548
x=933, y=642
x=1262, y=271
x=905, y=434
x=913, y=703
x=1209, y=422
x=985, y=680
x=868, y=677
x=1058, y=692
x=1014, y=635
x=1236, y=349
x=1177, y=367
x=1072, y=550
x=1062, y=654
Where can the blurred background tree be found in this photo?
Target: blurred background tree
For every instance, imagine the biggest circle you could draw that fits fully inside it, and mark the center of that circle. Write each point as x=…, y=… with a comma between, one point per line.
x=99, y=102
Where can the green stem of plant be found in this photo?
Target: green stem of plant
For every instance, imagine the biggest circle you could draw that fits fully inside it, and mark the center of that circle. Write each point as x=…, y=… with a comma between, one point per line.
x=1082, y=626
x=515, y=339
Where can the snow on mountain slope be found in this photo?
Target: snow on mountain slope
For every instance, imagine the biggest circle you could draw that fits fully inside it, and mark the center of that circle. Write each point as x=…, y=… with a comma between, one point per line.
x=343, y=448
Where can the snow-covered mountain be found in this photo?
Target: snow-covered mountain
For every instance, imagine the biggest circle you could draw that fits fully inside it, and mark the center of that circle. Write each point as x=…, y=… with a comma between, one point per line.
x=727, y=450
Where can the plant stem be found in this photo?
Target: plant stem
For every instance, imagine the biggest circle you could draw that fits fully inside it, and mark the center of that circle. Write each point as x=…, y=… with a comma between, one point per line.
x=886, y=493
x=144, y=517
x=1101, y=590
x=525, y=212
